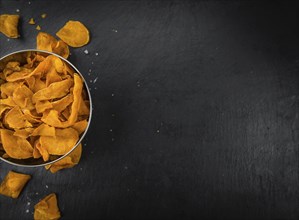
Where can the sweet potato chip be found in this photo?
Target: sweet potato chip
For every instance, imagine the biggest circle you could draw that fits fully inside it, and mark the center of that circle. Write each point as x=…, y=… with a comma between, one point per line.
x=15, y=147
x=47, y=208
x=80, y=126
x=68, y=162
x=62, y=143
x=15, y=119
x=13, y=184
x=74, y=33
x=42, y=106
x=44, y=130
x=9, y=25
x=45, y=41
x=23, y=133
x=62, y=103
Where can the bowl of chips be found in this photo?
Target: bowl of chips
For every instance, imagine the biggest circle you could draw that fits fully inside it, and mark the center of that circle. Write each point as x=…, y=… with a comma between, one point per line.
x=45, y=108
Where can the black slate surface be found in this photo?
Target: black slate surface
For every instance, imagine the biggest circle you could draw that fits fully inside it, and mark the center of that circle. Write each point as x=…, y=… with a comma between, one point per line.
x=202, y=102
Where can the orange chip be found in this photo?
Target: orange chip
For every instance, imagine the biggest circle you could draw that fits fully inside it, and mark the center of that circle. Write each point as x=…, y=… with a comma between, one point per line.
x=13, y=184
x=80, y=126
x=15, y=147
x=45, y=41
x=23, y=133
x=68, y=162
x=47, y=208
x=44, y=130
x=44, y=15
x=9, y=25
x=74, y=33
x=38, y=28
x=15, y=119
x=62, y=143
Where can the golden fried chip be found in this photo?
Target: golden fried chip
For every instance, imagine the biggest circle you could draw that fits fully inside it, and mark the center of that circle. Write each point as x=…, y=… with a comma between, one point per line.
x=43, y=152
x=45, y=41
x=68, y=162
x=15, y=147
x=22, y=96
x=80, y=126
x=15, y=119
x=60, y=144
x=38, y=28
x=74, y=33
x=62, y=103
x=53, y=91
x=44, y=15
x=47, y=208
x=42, y=106
x=13, y=184
x=9, y=25
x=44, y=130
x=23, y=133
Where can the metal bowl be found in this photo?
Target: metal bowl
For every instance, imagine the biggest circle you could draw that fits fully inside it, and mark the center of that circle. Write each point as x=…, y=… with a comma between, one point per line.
x=21, y=57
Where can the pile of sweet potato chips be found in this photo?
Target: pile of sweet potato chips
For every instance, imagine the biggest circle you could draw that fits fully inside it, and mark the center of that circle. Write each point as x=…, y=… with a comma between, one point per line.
x=43, y=108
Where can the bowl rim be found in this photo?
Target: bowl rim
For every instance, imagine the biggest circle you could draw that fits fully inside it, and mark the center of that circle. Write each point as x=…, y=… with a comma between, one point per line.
x=90, y=109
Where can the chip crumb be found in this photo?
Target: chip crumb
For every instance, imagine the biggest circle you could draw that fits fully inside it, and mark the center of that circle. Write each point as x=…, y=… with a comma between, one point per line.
x=38, y=28
x=95, y=80
x=44, y=15
x=31, y=21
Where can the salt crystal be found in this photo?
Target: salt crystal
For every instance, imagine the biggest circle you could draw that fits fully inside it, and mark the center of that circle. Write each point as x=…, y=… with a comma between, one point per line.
x=95, y=88
x=112, y=94
x=28, y=203
x=97, y=54
x=110, y=130
x=89, y=70
x=92, y=63
x=27, y=211
x=29, y=3
x=36, y=193
x=114, y=30
x=47, y=186
x=126, y=167
x=112, y=139
x=17, y=10
x=158, y=131
x=8, y=39
x=94, y=81
x=86, y=51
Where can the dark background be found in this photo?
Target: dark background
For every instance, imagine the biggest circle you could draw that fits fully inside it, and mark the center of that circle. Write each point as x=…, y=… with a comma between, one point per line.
x=202, y=99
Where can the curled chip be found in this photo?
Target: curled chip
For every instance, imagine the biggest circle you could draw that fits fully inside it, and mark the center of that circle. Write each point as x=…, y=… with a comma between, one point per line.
x=45, y=41
x=47, y=208
x=69, y=161
x=9, y=25
x=74, y=33
x=44, y=109
x=13, y=184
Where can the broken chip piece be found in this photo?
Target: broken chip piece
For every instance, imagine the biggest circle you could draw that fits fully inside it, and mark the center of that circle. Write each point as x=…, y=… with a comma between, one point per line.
x=13, y=184
x=47, y=208
x=9, y=25
x=38, y=28
x=74, y=34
